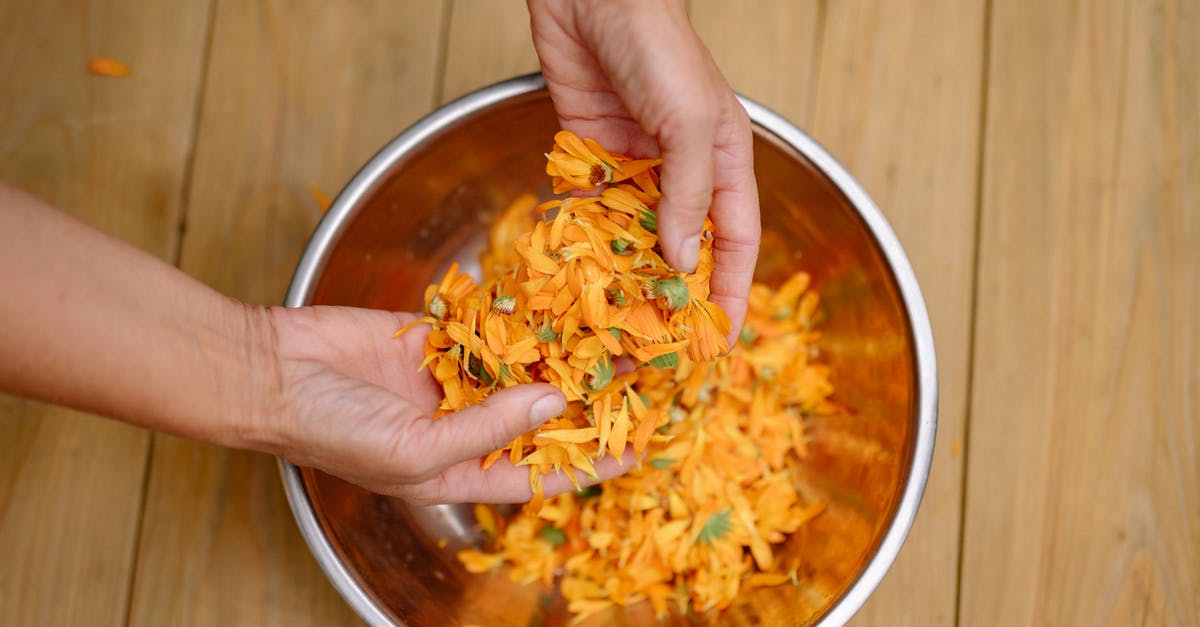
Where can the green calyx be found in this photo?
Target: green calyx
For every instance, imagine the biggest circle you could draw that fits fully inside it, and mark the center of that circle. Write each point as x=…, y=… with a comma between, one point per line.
x=649, y=220
x=546, y=334
x=589, y=492
x=662, y=362
x=504, y=304
x=674, y=290
x=717, y=526
x=600, y=376
x=553, y=535
x=476, y=369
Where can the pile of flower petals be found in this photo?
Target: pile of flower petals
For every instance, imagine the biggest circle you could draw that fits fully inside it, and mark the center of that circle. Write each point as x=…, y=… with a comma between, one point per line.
x=720, y=437
x=580, y=288
x=720, y=488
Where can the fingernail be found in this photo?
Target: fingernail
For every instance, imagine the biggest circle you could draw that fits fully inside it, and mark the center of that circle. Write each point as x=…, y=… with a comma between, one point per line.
x=689, y=254
x=545, y=408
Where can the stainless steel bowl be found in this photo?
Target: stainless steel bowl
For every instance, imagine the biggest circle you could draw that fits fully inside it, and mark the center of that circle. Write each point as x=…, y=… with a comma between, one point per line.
x=428, y=197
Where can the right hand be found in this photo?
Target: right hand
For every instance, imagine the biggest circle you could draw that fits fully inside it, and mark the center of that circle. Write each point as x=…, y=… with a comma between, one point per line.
x=634, y=76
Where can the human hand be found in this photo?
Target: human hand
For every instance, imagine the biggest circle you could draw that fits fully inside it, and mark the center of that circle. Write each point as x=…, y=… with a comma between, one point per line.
x=634, y=76
x=348, y=400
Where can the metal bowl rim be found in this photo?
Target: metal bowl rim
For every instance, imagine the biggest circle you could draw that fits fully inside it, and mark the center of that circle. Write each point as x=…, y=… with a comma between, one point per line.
x=365, y=181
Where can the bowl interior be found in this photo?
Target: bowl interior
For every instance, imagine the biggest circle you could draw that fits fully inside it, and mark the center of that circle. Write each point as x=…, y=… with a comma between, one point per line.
x=434, y=205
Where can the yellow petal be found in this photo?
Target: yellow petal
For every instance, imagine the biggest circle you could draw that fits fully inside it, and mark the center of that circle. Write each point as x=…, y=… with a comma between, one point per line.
x=586, y=434
x=620, y=431
x=478, y=562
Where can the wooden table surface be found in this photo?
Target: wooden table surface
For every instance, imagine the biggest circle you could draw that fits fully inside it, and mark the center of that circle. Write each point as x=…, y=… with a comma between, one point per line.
x=1039, y=159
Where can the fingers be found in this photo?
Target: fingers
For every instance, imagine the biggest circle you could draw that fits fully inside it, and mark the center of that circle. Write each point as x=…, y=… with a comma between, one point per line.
x=473, y=432
x=687, y=181
x=607, y=468
x=736, y=217
x=733, y=273
x=733, y=193
x=504, y=483
x=683, y=109
x=635, y=76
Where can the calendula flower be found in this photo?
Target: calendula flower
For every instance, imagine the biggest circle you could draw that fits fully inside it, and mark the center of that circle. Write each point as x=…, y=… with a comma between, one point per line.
x=582, y=164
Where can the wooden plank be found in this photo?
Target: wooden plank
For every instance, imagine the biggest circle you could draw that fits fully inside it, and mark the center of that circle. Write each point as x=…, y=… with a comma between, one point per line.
x=112, y=152
x=488, y=41
x=893, y=89
x=1083, y=503
x=767, y=50
x=297, y=93
x=898, y=101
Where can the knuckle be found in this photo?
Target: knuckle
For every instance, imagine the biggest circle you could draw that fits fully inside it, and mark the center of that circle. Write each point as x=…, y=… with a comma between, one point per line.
x=420, y=450
x=494, y=424
x=420, y=495
x=697, y=121
x=686, y=200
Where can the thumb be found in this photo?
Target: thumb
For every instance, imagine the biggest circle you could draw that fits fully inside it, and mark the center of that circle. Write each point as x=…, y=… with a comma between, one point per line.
x=478, y=430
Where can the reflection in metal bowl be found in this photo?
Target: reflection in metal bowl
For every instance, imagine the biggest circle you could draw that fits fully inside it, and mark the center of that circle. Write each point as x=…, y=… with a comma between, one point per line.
x=428, y=197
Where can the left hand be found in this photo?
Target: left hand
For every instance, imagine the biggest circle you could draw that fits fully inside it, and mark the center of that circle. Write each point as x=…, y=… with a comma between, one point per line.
x=348, y=400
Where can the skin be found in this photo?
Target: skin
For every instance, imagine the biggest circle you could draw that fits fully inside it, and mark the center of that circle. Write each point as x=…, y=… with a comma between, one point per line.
x=93, y=323
x=634, y=76
x=102, y=326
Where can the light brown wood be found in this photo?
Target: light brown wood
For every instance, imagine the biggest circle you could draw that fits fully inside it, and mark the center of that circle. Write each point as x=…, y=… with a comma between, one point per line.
x=894, y=90
x=1083, y=460
x=767, y=50
x=297, y=93
x=487, y=41
x=1083, y=500
x=70, y=499
x=112, y=152
x=898, y=101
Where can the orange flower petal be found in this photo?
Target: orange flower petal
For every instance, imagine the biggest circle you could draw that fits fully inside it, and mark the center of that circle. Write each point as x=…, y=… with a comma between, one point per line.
x=108, y=67
x=619, y=436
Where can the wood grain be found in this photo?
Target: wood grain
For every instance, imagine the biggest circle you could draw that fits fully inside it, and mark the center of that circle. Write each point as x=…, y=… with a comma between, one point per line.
x=767, y=50
x=898, y=101
x=487, y=41
x=894, y=90
x=297, y=93
x=1083, y=501
x=112, y=152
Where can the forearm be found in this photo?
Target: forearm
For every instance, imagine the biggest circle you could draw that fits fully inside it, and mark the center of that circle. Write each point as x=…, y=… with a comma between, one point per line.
x=91, y=322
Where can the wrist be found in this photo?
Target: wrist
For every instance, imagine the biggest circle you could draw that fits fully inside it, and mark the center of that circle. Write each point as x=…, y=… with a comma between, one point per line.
x=250, y=385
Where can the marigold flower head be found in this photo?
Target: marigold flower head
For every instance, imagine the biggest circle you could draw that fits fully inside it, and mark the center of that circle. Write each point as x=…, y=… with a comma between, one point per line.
x=583, y=164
